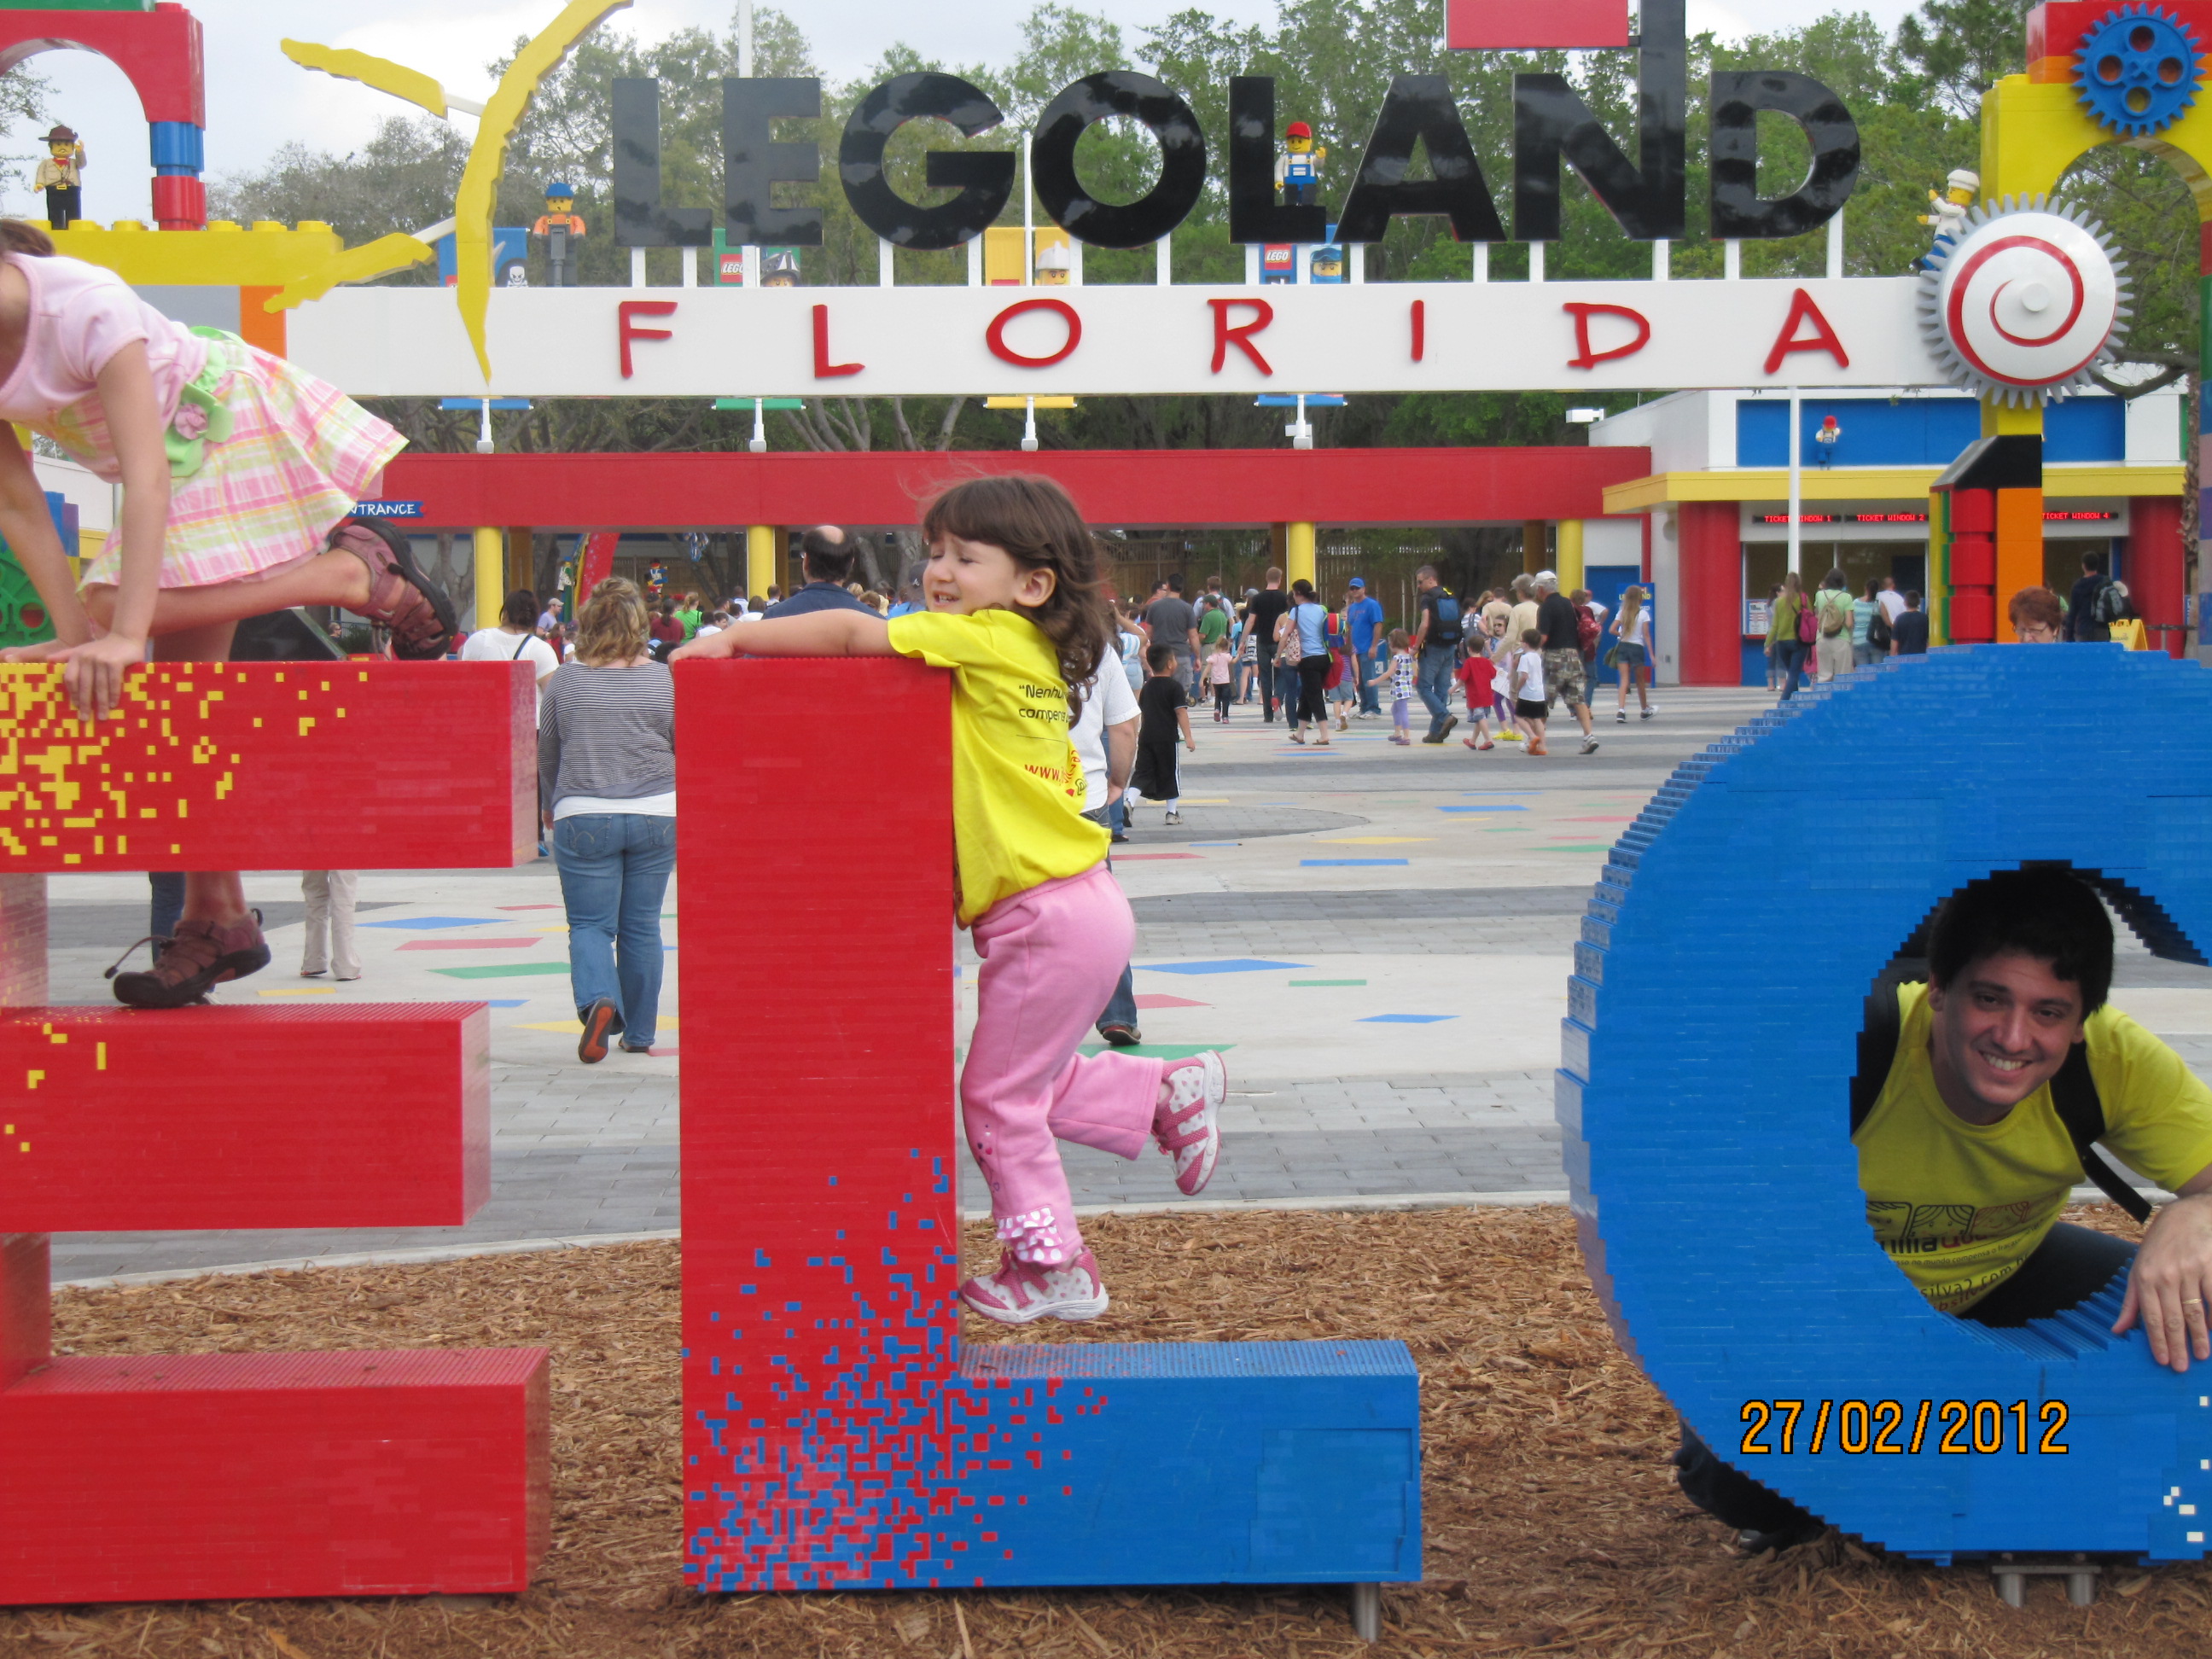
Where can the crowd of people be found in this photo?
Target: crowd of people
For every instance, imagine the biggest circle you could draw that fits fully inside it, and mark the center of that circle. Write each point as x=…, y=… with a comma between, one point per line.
x=1812, y=638
x=1513, y=656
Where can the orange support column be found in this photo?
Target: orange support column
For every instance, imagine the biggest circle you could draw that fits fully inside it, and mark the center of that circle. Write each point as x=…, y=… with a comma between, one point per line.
x=2019, y=551
x=256, y=327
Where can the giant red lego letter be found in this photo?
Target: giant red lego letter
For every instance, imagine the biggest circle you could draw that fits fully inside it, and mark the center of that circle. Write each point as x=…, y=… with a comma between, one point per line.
x=359, y=1472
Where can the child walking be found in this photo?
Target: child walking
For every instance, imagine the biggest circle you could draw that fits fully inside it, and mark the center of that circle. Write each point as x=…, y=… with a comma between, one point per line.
x=239, y=472
x=1476, y=676
x=1163, y=715
x=1398, y=673
x=1219, y=666
x=1012, y=586
x=1529, y=705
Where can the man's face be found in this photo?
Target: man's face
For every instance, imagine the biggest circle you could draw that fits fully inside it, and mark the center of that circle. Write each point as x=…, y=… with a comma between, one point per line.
x=1425, y=581
x=2001, y=1031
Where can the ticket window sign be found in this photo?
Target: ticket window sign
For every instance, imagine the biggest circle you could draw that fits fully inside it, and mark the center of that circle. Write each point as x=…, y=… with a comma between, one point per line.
x=1758, y=616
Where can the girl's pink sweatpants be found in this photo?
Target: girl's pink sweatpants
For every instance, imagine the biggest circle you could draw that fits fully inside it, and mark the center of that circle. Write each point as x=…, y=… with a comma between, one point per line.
x=1052, y=956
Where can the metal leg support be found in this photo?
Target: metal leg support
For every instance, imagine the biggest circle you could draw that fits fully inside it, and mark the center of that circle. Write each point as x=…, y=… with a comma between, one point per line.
x=1367, y=1612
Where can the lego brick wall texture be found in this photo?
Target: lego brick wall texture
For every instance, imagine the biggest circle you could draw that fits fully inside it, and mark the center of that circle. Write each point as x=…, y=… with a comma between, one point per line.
x=114, y=1119
x=351, y=766
x=1706, y=1130
x=832, y=1437
x=397, y=1471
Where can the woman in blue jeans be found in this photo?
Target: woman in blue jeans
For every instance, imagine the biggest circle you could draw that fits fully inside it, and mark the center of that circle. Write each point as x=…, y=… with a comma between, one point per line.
x=606, y=765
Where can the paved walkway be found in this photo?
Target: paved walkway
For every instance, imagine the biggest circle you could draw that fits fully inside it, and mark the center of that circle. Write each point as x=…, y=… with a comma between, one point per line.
x=1379, y=938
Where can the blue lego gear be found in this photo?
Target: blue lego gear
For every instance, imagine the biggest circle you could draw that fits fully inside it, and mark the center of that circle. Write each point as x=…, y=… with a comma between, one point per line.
x=2137, y=71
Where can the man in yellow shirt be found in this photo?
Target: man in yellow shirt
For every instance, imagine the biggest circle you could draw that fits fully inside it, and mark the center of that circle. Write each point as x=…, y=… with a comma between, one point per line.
x=1967, y=1159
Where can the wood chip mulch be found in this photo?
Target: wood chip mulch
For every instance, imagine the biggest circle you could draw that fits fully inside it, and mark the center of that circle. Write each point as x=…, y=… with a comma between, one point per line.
x=1553, y=1525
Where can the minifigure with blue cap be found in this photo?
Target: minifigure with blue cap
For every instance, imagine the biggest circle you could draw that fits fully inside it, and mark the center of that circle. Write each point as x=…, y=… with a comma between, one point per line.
x=561, y=225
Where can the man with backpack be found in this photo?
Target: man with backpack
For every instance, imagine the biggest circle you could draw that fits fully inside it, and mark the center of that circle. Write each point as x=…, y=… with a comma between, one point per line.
x=1435, y=651
x=1566, y=677
x=2094, y=605
x=1980, y=1094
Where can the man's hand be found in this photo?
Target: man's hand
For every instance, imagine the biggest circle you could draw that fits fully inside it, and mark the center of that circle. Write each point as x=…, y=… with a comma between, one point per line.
x=2171, y=1281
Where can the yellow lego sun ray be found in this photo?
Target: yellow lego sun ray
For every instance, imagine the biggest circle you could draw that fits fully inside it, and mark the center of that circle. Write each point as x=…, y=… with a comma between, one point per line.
x=356, y=265
x=381, y=73
x=472, y=206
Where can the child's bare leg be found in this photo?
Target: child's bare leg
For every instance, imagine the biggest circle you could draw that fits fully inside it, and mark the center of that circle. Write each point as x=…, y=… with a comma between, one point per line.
x=333, y=577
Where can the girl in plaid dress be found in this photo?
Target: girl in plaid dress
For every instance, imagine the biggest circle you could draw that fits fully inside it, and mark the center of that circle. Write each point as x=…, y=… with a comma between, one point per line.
x=237, y=474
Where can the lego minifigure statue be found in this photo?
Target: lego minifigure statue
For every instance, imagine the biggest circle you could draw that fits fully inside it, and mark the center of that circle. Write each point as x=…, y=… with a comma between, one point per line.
x=1055, y=266
x=61, y=175
x=1951, y=206
x=559, y=225
x=1830, y=434
x=1297, y=169
x=656, y=579
x=780, y=269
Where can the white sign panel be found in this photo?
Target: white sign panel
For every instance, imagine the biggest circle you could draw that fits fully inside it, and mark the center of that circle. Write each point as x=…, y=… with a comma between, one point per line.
x=1178, y=340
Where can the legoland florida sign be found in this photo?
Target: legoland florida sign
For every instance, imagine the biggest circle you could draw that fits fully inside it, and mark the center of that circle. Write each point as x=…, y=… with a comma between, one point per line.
x=1715, y=1185
x=1182, y=340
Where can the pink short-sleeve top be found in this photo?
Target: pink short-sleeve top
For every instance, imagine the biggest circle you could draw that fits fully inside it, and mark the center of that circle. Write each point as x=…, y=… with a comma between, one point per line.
x=80, y=317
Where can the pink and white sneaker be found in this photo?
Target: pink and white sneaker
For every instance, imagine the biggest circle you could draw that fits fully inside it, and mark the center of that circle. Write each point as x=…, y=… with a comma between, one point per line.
x=1187, y=1122
x=1021, y=1292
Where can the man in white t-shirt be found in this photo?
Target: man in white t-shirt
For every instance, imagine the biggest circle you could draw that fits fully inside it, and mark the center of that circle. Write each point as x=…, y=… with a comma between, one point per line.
x=1105, y=739
x=515, y=640
x=1892, y=601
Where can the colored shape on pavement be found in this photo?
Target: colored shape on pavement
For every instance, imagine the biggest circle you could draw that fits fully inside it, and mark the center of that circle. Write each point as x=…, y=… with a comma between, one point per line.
x=1358, y=863
x=1389, y=1019
x=1225, y=965
x=503, y=969
x=1162, y=1001
x=1301, y=984
x=428, y=923
x=473, y=943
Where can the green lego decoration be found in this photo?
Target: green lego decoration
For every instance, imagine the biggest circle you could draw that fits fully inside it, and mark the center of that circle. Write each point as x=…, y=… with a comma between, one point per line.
x=23, y=619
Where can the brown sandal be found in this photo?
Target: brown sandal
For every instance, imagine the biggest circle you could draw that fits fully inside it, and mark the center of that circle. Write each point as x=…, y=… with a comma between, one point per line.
x=199, y=957
x=400, y=596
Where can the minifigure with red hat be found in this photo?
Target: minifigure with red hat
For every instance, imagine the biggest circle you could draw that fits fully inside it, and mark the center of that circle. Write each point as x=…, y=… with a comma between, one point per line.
x=1297, y=170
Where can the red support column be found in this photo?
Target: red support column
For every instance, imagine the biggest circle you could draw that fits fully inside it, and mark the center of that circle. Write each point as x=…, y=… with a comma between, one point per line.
x=2156, y=570
x=1712, y=593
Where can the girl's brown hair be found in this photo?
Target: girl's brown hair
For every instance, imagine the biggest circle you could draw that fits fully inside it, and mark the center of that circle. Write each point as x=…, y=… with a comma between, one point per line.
x=612, y=629
x=17, y=236
x=1035, y=521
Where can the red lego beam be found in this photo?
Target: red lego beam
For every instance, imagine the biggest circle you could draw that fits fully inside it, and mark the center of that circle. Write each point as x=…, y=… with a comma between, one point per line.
x=1129, y=488
x=259, y=766
x=247, y=1142
x=159, y=51
x=1517, y=26
x=377, y=1473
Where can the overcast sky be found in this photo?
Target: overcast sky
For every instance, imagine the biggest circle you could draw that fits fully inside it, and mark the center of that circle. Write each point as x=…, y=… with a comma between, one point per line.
x=257, y=100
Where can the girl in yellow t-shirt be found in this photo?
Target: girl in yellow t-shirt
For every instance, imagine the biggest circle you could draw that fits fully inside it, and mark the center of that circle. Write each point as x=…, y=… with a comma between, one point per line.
x=1015, y=611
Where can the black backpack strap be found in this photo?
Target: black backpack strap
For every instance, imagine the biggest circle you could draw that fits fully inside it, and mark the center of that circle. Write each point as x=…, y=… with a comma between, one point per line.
x=2073, y=1095
x=1878, y=1035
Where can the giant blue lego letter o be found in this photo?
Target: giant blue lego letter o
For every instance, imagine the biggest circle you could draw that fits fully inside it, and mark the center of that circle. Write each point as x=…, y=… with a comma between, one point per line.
x=1703, y=1092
